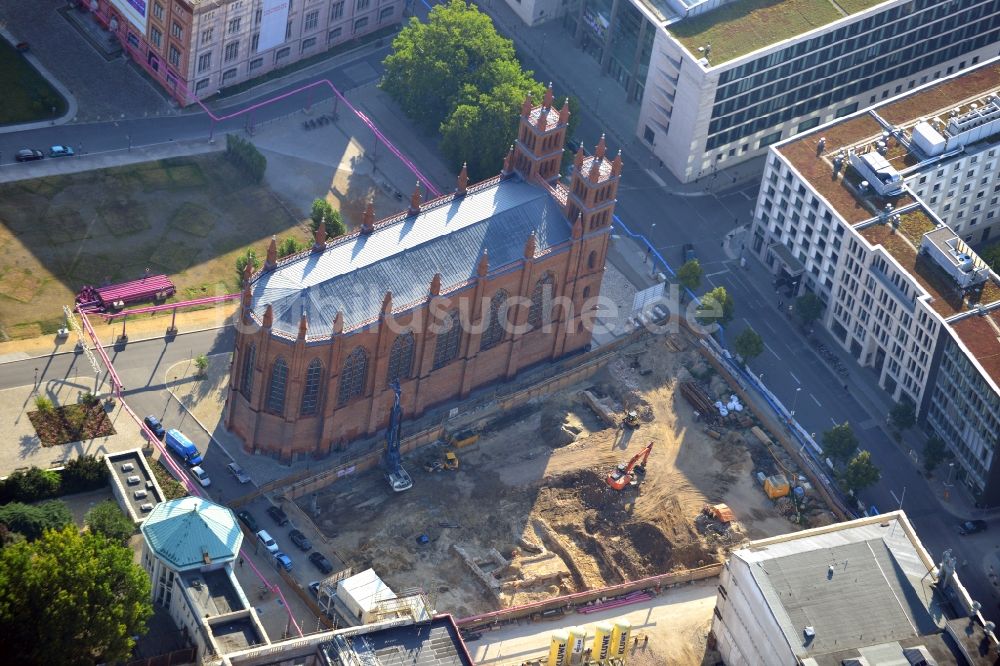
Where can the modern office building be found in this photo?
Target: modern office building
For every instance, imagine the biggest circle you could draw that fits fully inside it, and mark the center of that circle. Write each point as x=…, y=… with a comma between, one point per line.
x=855, y=212
x=718, y=82
x=194, y=48
x=850, y=594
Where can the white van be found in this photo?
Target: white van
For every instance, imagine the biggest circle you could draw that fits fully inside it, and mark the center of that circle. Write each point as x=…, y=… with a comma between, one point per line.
x=267, y=541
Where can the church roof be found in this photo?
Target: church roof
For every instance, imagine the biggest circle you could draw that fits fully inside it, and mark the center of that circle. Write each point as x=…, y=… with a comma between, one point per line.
x=403, y=253
x=190, y=532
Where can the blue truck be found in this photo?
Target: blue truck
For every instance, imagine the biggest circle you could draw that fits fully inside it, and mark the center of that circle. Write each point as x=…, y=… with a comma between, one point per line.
x=177, y=442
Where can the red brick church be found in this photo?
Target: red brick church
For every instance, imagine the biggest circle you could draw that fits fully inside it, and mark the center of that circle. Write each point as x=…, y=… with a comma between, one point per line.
x=452, y=294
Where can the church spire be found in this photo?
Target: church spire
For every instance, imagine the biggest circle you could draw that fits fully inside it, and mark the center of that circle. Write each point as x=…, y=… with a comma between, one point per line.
x=415, y=200
x=463, y=181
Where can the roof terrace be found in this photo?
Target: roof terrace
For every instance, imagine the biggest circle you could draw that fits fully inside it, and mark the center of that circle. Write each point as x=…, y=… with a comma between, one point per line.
x=744, y=26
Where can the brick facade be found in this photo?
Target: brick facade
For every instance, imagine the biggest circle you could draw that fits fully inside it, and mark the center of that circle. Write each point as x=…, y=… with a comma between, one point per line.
x=353, y=404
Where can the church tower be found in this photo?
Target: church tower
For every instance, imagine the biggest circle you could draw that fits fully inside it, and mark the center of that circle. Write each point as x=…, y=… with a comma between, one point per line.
x=593, y=188
x=541, y=137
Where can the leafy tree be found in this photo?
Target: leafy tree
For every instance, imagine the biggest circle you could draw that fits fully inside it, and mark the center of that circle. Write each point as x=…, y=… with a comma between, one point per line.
x=30, y=485
x=840, y=442
x=487, y=119
x=903, y=415
x=323, y=212
x=431, y=63
x=690, y=274
x=201, y=364
x=861, y=472
x=71, y=598
x=84, y=473
x=108, y=519
x=935, y=453
x=248, y=257
x=717, y=306
x=809, y=307
x=289, y=245
x=991, y=255
x=32, y=520
x=246, y=157
x=748, y=344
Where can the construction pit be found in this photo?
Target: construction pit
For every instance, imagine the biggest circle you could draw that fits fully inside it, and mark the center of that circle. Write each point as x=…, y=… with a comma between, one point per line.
x=528, y=515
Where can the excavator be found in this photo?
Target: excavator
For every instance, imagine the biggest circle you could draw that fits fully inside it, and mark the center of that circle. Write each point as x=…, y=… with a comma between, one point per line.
x=398, y=477
x=627, y=475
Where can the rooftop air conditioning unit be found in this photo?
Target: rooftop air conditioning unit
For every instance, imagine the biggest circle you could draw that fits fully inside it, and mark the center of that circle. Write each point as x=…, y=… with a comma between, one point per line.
x=140, y=494
x=128, y=467
x=133, y=480
x=147, y=507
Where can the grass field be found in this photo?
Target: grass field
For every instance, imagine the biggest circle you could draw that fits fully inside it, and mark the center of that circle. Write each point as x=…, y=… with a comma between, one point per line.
x=27, y=96
x=186, y=217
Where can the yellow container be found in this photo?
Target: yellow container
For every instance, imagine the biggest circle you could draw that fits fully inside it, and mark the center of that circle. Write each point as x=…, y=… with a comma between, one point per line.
x=602, y=641
x=620, y=636
x=577, y=638
x=559, y=649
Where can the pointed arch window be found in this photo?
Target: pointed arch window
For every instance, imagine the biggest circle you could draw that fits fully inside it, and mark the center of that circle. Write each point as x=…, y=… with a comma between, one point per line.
x=498, y=317
x=446, y=348
x=310, y=395
x=352, y=376
x=246, y=376
x=400, y=358
x=276, y=390
x=540, y=312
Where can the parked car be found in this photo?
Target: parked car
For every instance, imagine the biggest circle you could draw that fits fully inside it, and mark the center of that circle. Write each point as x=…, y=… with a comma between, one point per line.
x=687, y=252
x=238, y=472
x=278, y=515
x=28, y=155
x=60, y=151
x=248, y=520
x=972, y=527
x=154, y=424
x=320, y=561
x=267, y=541
x=202, y=476
x=314, y=588
x=300, y=540
x=283, y=560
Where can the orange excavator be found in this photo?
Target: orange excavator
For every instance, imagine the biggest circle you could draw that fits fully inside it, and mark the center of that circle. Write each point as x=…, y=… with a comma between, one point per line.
x=630, y=474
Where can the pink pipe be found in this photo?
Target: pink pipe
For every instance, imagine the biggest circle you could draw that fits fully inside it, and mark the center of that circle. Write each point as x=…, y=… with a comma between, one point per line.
x=170, y=306
x=192, y=488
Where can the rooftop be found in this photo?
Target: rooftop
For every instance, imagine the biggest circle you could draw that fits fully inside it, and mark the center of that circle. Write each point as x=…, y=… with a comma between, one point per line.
x=828, y=578
x=436, y=643
x=235, y=634
x=980, y=333
x=136, y=483
x=191, y=532
x=213, y=591
x=402, y=255
x=744, y=26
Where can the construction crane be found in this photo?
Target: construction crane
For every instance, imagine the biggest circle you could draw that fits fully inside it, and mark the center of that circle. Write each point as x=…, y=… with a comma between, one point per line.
x=398, y=477
x=630, y=474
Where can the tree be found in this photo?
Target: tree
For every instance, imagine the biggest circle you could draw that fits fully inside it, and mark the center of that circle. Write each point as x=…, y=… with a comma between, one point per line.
x=84, y=473
x=32, y=520
x=935, y=452
x=991, y=255
x=201, y=364
x=432, y=62
x=717, y=306
x=903, y=415
x=840, y=442
x=323, y=212
x=690, y=274
x=108, y=519
x=289, y=245
x=748, y=344
x=248, y=257
x=861, y=472
x=30, y=485
x=71, y=598
x=809, y=307
x=487, y=119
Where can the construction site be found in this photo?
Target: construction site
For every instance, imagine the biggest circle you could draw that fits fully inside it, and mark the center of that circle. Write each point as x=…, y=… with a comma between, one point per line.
x=648, y=466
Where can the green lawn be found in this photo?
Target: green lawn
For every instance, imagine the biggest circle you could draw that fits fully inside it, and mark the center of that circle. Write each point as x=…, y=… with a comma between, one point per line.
x=744, y=26
x=27, y=96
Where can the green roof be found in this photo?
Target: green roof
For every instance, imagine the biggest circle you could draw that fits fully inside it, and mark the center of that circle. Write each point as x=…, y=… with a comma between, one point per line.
x=744, y=26
x=185, y=532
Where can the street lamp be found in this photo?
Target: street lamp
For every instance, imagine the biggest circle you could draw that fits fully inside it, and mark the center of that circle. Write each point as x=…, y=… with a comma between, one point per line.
x=951, y=470
x=795, y=400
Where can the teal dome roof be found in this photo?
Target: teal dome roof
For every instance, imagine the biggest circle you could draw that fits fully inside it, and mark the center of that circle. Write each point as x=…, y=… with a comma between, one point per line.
x=192, y=532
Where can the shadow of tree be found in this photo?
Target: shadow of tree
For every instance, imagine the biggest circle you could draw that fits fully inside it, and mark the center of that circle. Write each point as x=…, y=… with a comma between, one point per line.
x=30, y=445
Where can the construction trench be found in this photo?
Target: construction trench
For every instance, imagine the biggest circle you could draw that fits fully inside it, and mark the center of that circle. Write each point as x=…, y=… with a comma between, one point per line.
x=528, y=514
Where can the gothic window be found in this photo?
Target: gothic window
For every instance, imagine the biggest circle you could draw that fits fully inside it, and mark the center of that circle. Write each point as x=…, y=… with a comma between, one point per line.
x=446, y=348
x=310, y=396
x=400, y=358
x=498, y=317
x=541, y=302
x=246, y=378
x=592, y=259
x=276, y=391
x=352, y=377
